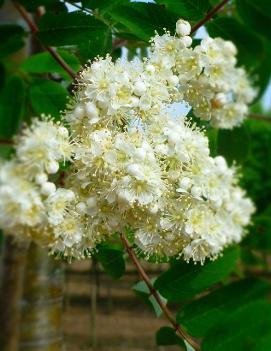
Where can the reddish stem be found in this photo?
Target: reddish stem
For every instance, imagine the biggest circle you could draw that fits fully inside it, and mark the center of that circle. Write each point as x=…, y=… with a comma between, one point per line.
x=34, y=29
x=6, y=142
x=209, y=15
x=143, y=275
x=259, y=117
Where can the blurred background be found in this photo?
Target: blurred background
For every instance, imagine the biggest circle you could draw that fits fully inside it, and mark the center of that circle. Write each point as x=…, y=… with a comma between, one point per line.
x=48, y=305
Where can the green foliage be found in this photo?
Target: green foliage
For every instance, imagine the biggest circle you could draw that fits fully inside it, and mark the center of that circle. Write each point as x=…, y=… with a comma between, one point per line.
x=103, y=6
x=44, y=63
x=233, y=144
x=262, y=73
x=183, y=281
x=111, y=259
x=142, y=19
x=12, y=39
x=11, y=111
x=201, y=315
x=260, y=234
x=247, y=328
x=257, y=14
x=192, y=10
x=167, y=336
x=257, y=167
x=47, y=97
x=75, y=28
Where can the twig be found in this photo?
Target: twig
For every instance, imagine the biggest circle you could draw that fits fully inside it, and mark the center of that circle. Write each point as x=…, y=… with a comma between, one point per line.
x=209, y=15
x=34, y=29
x=157, y=297
x=259, y=117
x=6, y=142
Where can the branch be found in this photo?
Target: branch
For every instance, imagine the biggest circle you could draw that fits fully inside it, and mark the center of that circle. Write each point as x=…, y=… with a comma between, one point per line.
x=157, y=297
x=34, y=29
x=259, y=117
x=209, y=15
x=6, y=142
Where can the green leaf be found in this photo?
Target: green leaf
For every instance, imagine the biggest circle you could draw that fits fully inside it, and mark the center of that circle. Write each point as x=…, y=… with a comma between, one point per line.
x=44, y=63
x=2, y=76
x=256, y=14
x=142, y=19
x=99, y=44
x=187, y=9
x=167, y=336
x=111, y=260
x=141, y=289
x=188, y=346
x=249, y=44
x=262, y=73
x=6, y=151
x=183, y=281
x=212, y=137
x=11, y=106
x=48, y=97
x=74, y=28
x=201, y=315
x=247, y=328
x=233, y=144
x=103, y=5
x=12, y=39
x=260, y=237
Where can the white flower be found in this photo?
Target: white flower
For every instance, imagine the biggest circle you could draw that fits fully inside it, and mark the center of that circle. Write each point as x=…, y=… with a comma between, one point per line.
x=57, y=205
x=42, y=146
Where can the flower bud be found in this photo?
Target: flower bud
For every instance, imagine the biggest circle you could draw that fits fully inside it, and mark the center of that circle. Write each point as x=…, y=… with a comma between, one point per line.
x=91, y=110
x=150, y=68
x=183, y=28
x=134, y=101
x=63, y=131
x=91, y=202
x=185, y=183
x=48, y=188
x=70, y=195
x=79, y=112
x=41, y=178
x=186, y=41
x=173, y=80
x=196, y=191
x=139, y=88
x=52, y=167
x=81, y=208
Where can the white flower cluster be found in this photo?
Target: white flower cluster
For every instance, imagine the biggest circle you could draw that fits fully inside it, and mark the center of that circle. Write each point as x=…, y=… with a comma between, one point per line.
x=205, y=77
x=133, y=165
x=30, y=203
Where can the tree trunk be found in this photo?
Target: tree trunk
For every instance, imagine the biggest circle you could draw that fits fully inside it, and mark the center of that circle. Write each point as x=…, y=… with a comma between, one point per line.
x=13, y=263
x=32, y=295
x=41, y=323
